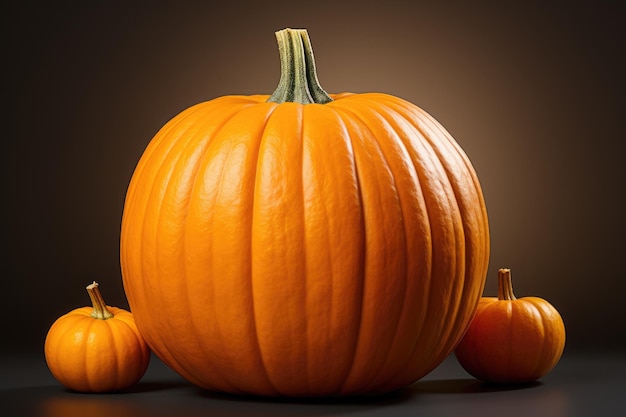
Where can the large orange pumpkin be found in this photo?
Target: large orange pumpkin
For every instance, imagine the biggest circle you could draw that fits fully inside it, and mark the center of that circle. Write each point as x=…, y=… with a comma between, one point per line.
x=303, y=244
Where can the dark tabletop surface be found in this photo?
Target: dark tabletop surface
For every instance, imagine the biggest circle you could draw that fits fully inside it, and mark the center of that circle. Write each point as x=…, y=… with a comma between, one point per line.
x=582, y=384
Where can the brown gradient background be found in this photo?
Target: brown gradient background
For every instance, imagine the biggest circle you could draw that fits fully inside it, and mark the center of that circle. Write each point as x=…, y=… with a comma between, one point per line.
x=533, y=92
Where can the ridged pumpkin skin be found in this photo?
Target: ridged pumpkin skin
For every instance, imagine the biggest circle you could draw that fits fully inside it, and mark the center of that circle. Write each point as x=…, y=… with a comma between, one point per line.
x=304, y=250
x=303, y=244
x=512, y=340
x=93, y=355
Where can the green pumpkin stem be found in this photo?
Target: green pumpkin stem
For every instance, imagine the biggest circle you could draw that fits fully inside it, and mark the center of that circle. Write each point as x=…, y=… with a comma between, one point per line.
x=100, y=310
x=505, y=286
x=298, y=78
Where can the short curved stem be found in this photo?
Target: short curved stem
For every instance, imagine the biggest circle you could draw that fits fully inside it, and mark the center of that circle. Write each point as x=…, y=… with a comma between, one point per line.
x=298, y=77
x=100, y=310
x=505, y=285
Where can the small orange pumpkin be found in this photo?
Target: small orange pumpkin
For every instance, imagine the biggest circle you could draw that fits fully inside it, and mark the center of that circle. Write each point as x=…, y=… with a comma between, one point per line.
x=512, y=340
x=303, y=244
x=96, y=349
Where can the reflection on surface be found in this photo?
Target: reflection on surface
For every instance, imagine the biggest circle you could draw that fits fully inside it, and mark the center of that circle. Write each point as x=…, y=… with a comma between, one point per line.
x=486, y=399
x=189, y=401
x=78, y=406
x=445, y=397
x=467, y=385
x=579, y=387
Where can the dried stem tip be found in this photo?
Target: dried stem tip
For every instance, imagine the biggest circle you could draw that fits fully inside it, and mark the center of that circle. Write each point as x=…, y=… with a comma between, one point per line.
x=505, y=286
x=100, y=310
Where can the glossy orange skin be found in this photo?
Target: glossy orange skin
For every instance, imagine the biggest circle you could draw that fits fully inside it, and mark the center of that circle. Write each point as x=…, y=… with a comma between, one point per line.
x=304, y=250
x=512, y=341
x=93, y=355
